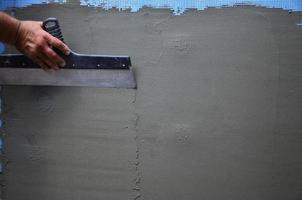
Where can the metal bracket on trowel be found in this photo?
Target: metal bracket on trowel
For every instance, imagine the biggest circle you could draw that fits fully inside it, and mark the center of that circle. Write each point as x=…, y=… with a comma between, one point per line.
x=80, y=70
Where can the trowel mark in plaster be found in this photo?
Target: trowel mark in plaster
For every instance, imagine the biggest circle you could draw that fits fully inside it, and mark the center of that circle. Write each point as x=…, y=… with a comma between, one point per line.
x=137, y=180
x=182, y=133
x=181, y=44
x=155, y=28
x=45, y=104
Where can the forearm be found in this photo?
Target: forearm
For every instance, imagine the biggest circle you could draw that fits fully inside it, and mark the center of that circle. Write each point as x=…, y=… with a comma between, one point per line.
x=8, y=28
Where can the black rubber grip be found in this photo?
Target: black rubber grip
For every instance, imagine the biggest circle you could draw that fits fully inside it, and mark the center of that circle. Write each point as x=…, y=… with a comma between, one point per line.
x=52, y=26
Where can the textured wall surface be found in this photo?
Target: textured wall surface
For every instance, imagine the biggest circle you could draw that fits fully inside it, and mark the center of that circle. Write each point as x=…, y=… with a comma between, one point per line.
x=217, y=113
x=178, y=6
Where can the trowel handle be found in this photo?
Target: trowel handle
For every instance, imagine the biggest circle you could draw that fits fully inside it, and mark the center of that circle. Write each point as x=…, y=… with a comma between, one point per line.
x=51, y=25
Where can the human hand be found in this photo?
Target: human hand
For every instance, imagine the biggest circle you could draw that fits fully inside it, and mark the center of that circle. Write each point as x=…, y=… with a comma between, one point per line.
x=37, y=44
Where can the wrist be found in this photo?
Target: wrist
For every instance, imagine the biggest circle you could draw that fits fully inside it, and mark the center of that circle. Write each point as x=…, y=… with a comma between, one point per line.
x=9, y=27
x=17, y=32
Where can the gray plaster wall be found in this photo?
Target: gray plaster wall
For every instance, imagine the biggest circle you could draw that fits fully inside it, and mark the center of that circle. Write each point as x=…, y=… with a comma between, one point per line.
x=217, y=113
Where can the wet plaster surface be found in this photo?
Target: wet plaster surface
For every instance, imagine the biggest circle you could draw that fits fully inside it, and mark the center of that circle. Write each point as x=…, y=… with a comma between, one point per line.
x=217, y=113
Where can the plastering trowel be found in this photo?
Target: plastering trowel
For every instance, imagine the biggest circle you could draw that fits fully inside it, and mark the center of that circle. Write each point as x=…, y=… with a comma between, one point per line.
x=80, y=70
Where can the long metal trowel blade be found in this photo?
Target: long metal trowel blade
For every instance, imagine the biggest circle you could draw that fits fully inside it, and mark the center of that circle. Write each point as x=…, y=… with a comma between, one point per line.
x=80, y=70
x=104, y=78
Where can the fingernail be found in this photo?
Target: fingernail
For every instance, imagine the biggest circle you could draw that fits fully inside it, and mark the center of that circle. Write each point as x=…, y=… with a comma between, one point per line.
x=63, y=64
x=67, y=52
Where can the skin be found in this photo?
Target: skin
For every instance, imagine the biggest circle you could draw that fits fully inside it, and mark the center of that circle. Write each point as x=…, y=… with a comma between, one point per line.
x=30, y=39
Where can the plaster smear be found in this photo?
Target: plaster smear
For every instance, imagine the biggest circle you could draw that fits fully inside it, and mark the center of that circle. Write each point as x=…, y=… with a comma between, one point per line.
x=217, y=114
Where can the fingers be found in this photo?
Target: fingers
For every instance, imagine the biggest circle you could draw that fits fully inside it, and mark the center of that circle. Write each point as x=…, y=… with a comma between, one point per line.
x=55, y=42
x=52, y=58
x=41, y=63
x=49, y=56
x=48, y=59
x=50, y=63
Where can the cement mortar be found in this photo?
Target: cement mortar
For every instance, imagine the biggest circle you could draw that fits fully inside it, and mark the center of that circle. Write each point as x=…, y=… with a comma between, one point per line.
x=217, y=114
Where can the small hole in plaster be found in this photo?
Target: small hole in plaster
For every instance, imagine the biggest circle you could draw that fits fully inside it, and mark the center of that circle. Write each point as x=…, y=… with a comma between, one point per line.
x=299, y=24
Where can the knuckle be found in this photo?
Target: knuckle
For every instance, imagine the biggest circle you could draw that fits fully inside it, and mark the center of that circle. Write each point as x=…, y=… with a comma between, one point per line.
x=58, y=43
x=44, y=35
x=47, y=51
x=50, y=53
x=39, y=47
x=53, y=55
x=40, y=39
